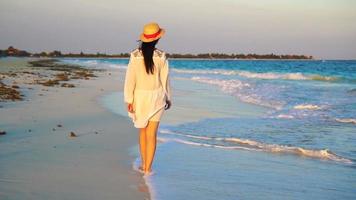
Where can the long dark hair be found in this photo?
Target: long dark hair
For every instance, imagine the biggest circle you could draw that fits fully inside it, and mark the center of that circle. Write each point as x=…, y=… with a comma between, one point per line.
x=147, y=49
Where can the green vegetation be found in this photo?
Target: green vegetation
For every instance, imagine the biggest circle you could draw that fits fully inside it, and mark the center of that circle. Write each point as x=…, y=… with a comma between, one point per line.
x=11, y=51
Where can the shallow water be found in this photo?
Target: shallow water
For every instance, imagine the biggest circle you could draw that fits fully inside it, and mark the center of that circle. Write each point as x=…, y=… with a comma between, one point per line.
x=255, y=130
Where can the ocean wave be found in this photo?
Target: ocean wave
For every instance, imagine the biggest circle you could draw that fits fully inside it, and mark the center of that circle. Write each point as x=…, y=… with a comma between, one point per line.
x=247, y=144
x=323, y=78
x=307, y=107
x=266, y=75
x=225, y=85
x=270, y=75
x=352, y=91
x=346, y=120
x=197, y=71
x=276, y=148
x=236, y=88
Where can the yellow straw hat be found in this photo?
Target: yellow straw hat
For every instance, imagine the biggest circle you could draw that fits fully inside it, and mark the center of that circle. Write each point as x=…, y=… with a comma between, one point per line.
x=151, y=32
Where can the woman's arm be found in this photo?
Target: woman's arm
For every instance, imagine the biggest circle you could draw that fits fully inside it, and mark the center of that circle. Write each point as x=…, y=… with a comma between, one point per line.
x=164, y=73
x=130, y=83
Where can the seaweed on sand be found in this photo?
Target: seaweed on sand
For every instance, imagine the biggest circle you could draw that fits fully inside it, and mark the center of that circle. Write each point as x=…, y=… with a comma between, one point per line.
x=9, y=93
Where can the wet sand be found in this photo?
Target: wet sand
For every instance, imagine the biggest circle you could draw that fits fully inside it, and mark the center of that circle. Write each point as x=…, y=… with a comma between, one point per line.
x=39, y=158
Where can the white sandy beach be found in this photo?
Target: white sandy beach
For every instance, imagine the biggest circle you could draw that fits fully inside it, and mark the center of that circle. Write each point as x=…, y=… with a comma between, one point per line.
x=40, y=161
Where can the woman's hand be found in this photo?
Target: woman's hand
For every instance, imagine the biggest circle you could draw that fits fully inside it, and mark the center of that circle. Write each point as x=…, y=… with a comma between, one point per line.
x=168, y=105
x=130, y=108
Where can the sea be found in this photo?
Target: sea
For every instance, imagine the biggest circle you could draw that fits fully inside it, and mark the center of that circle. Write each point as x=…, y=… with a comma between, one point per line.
x=252, y=129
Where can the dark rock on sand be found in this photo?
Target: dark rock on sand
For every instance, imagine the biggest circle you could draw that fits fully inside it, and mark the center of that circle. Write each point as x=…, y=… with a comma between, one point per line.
x=59, y=125
x=72, y=134
x=67, y=85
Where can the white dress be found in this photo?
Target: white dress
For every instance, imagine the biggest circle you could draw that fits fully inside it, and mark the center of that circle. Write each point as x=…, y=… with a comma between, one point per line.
x=147, y=92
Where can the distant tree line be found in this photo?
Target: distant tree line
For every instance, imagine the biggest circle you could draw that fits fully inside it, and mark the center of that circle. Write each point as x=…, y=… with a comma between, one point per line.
x=238, y=56
x=11, y=51
x=81, y=55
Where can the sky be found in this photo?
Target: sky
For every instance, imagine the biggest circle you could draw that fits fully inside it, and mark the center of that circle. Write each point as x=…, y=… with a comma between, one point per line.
x=325, y=29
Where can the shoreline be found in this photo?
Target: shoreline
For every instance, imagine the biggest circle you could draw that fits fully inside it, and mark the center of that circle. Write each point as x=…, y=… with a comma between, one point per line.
x=123, y=58
x=51, y=164
x=240, y=59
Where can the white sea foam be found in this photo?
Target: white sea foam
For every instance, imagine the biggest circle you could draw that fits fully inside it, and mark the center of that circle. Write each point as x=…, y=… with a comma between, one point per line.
x=247, y=144
x=270, y=75
x=307, y=107
x=96, y=64
x=197, y=71
x=236, y=88
x=226, y=85
x=275, y=148
x=147, y=179
x=346, y=120
x=266, y=75
x=284, y=116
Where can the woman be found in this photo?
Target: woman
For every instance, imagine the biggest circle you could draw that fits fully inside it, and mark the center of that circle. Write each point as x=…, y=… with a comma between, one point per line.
x=147, y=91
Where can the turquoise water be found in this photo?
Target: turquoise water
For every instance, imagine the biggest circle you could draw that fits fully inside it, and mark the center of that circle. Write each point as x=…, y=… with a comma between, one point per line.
x=254, y=130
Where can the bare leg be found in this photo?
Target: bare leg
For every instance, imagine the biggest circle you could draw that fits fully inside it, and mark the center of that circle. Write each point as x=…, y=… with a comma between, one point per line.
x=151, y=139
x=142, y=141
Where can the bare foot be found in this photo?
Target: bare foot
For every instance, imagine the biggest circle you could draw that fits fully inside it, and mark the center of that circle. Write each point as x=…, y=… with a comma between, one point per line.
x=141, y=169
x=148, y=173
